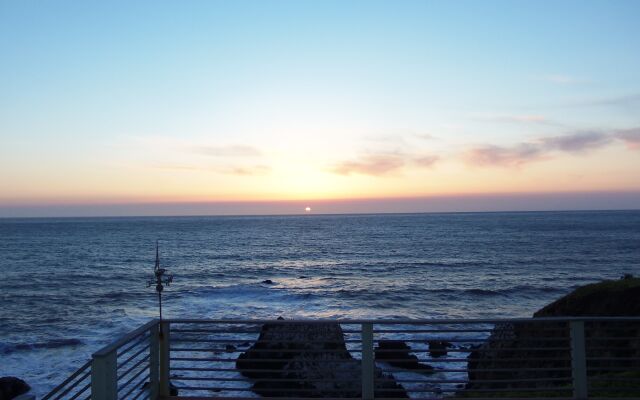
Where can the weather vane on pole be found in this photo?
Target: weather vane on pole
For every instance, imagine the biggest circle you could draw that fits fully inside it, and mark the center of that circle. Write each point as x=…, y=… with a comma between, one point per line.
x=162, y=277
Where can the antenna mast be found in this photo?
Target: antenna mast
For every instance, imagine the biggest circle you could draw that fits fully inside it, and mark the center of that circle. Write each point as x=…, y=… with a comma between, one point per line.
x=161, y=277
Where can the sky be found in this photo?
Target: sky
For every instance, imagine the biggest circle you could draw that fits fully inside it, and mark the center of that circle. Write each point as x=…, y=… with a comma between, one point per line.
x=157, y=107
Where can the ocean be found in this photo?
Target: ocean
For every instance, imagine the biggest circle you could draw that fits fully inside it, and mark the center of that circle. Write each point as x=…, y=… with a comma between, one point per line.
x=69, y=286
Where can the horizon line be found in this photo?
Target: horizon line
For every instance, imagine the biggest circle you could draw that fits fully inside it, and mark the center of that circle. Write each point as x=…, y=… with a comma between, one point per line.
x=486, y=202
x=325, y=214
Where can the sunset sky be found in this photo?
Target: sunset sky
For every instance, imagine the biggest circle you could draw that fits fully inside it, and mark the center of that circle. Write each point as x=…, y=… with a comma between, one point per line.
x=126, y=108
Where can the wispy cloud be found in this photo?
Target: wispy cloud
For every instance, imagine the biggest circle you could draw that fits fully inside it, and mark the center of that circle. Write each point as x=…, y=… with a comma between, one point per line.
x=533, y=119
x=630, y=136
x=625, y=101
x=225, y=151
x=227, y=170
x=491, y=155
x=526, y=152
x=375, y=164
x=383, y=164
x=426, y=161
x=248, y=171
x=576, y=142
x=425, y=136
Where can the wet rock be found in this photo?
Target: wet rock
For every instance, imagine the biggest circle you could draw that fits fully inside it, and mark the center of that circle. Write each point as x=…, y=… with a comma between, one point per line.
x=11, y=387
x=508, y=353
x=398, y=354
x=313, y=361
x=173, y=389
x=267, y=282
x=438, y=348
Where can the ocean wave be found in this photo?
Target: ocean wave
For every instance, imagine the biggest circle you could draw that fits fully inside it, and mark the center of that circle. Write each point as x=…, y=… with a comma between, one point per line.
x=50, y=344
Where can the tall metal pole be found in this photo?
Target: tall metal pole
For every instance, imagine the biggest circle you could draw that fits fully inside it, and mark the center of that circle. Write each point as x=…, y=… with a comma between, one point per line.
x=162, y=277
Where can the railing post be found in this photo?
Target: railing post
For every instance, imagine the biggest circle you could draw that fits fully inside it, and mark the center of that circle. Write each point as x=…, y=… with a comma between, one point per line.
x=154, y=362
x=164, y=339
x=578, y=360
x=104, y=376
x=367, y=361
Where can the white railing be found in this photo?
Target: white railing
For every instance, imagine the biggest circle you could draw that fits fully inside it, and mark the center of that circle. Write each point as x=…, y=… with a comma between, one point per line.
x=570, y=358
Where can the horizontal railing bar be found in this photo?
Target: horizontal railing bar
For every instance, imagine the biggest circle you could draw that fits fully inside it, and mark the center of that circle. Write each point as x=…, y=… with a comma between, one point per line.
x=432, y=330
x=513, y=349
x=230, y=370
x=613, y=358
x=398, y=398
x=251, y=359
x=434, y=390
x=196, y=350
x=178, y=330
x=614, y=369
x=559, y=331
x=596, y=379
x=198, y=340
x=125, y=339
x=125, y=362
x=79, y=392
x=565, y=379
x=139, y=386
x=405, y=321
x=143, y=338
x=441, y=360
x=66, y=381
x=77, y=382
x=142, y=391
x=133, y=367
x=214, y=379
x=200, y=369
x=127, y=383
x=435, y=360
x=222, y=379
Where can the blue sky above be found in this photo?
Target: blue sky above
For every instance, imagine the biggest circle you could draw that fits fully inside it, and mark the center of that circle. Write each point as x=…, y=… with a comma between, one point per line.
x=328, y=99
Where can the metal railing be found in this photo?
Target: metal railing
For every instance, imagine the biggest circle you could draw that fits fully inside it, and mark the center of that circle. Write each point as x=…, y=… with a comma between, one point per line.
x=561, y=358
x=125, y=369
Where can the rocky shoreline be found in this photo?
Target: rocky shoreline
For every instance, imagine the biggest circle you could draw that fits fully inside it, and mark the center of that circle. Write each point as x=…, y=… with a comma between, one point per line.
x=519, y=354
x=298, y=359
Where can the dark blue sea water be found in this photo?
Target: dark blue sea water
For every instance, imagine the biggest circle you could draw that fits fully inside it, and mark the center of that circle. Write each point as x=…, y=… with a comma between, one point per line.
x=68, y=286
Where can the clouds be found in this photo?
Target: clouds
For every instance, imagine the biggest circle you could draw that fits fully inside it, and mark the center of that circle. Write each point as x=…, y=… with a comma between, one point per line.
x=630, y=136
x=491, y=155
x=375, y=164
x=224, y=151
x=518, y=118
x=545, y=148
x=383, y=164
x=576, y=142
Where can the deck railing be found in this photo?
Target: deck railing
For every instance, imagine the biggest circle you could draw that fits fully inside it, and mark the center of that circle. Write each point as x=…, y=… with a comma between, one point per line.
x=570, y=358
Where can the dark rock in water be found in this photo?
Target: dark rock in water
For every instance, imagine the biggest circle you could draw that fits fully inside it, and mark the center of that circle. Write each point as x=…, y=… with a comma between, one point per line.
x=397, y=353
x=438, y=348
x=229, y=348
x=173, y=389
x=11, y=387
x=534, y=354
x=268, y=281
x=313, y=361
